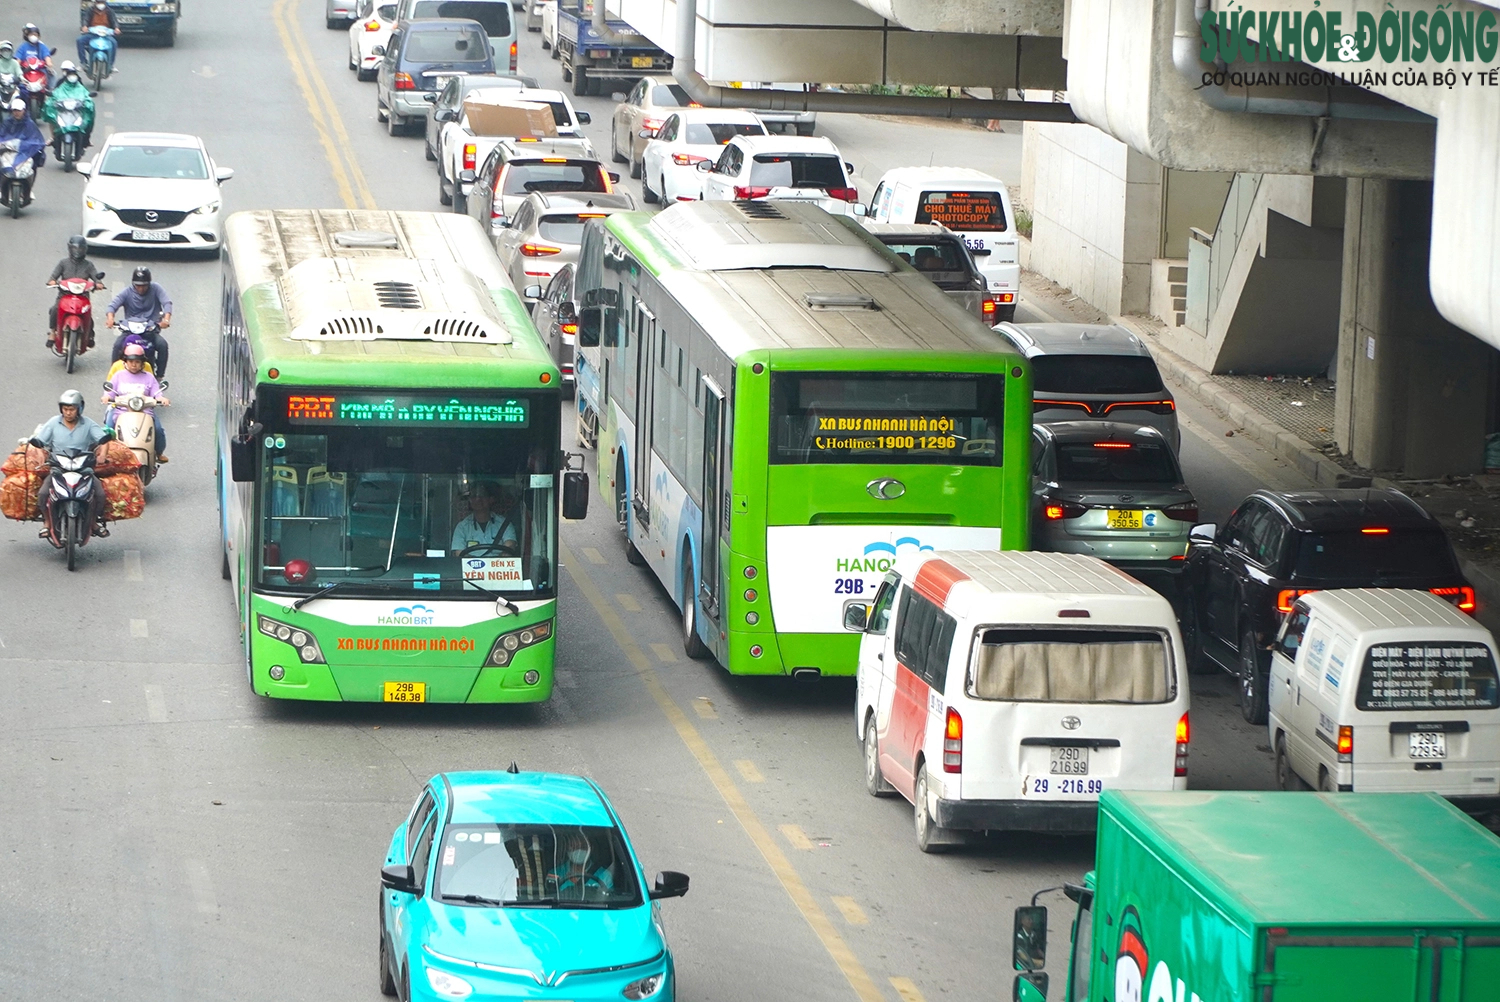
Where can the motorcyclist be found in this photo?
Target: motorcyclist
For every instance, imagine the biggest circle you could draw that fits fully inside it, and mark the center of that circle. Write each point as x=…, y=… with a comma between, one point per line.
x=71, y=429
x=75, y=265
x=135, y=379
x=32, y=45
x=97, y=15
x=148, y=302
x=71, y=88
x=18, y=127
x=9, y=64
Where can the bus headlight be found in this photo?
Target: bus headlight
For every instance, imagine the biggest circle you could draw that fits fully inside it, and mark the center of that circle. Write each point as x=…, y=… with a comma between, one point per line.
x=305, y=643
x=508, y=644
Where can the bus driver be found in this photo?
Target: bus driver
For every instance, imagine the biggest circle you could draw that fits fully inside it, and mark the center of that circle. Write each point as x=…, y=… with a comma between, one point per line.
x=482, y=527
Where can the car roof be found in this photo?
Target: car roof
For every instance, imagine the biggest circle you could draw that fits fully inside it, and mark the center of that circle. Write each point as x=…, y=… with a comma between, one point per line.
x=1074, y=339
x=1390, y=608
x=934, y=231
x=568, y=201
x=1015, y=586
x=1349, y=508
x=572, y=147
x=1097, y=431
x=729, y=116
x=525, y=798
x=425, y=24
x=940, y=176
x=785, y=144
x=154, y=139
x=546, y=94
x=495, y=81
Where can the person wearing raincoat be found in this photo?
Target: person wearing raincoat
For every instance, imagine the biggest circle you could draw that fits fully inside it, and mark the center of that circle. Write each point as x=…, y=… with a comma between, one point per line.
x=17, y=127
x=70, y=88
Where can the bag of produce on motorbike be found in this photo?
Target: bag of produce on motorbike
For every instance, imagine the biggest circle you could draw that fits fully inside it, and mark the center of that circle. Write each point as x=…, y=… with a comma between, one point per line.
x=26, y=459
x=114, y=457
x=18, y=495
x=124, y=496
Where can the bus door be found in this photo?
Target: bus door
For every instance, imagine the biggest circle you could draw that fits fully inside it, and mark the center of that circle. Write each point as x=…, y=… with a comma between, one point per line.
x=645, y=329
x=714, y=520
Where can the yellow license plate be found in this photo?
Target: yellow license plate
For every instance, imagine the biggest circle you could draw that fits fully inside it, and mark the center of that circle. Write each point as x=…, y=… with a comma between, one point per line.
x=1126, y=519
x=405, y=692
x=640, y=62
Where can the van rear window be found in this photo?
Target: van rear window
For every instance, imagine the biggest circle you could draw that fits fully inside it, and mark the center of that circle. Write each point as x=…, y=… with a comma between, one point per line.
x=962, y=210
x=446, y=47
x=1428, y=676
x=1072, y=666
x=492, y=16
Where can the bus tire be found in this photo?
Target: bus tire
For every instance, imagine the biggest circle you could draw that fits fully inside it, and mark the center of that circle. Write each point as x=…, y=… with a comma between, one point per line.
x=224, y=570
x=692, y=645
x=633, y=555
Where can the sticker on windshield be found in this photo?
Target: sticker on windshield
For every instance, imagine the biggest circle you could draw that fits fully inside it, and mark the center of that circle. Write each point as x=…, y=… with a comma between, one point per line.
x=493, y=570
x=448, y=855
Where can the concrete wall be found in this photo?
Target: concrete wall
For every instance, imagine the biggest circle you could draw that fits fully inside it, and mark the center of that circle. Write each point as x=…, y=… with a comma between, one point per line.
x=1096, y=214
x=1190, y=198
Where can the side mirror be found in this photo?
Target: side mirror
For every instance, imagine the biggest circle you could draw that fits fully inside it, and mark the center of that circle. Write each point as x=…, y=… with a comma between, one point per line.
x=1029, y=942
x=165, y=384
x=85, y=168
x=467, y=177
x=222, y=174
x=379, y=50
x=856, y=615
x=1030, y=986
x=1203, y=535
x=589, y=323
x=584, y=118
x=566, y=310
x=858, y=209
x=575, y=507
x=669, y=884
x=430, y=97
x=614, y=177
x=848, y=167
x=399, y=877
x=532, y=292
x=647, y=133
x=704, y=165
x=242, y=449
x=447, y=115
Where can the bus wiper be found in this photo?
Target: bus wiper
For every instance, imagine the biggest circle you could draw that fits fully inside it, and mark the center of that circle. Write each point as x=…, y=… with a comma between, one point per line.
x=318, y=594
x=474, y=899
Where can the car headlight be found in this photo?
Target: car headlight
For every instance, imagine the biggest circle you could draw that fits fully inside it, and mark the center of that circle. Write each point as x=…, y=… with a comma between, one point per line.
x=447, y=984
x=98, y=205
x=306, y=644
x=645, y=987
x=209, y=209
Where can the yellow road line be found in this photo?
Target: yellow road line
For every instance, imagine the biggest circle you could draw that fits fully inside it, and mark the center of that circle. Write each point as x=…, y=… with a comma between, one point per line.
x=748, y=772
x=704, y=707
x=907, y=989
x=791, y=881
x=595, y=557
x=664, y=654
x=797, y=837
x=852, y=912
x=353, y=190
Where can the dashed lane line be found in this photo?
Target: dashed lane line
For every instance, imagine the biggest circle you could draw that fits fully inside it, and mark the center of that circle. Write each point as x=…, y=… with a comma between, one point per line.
x=595, y=557
x=138, y=628
x=748, y=772
x=664, y=654
x=156, y=705
x=852, y=912
x=133, y=566
x=628, y=602
x=907, y=989
x=704, y=707
x=797, y=837
x=791, y=881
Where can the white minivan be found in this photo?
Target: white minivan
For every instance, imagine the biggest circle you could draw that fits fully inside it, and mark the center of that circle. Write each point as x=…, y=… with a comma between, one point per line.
x=495, y=16
x=1385, y=690
x=970, y=202
x=1004, y=691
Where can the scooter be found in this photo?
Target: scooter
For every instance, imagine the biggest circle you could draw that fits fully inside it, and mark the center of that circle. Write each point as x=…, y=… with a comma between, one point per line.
x=75, y=320
x=67, y=132
x=17, y=174
x=35, y=86
x=9, y=87
x=68, y=507
x=136, y=428
x=101, y=48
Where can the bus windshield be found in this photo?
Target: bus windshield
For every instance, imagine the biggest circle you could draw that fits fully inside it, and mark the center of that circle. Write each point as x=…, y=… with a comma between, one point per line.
x=468, y=512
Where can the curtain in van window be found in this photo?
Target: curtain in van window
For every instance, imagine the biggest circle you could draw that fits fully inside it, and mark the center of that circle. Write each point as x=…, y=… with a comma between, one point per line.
x=1051, y=666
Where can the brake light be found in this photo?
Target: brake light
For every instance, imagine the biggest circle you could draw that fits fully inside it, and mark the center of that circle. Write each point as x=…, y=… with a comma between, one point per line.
x=404, y=82
x=651, y=123
x=512, y=57
x=744, y=193
x=569, y=329
x=988, y=307
x=372, y=25
x=1007, y=297
x=539, y=250
x=1187, y=511
x=1346, y=743
x=1287, y=596
x=1183, y=736
x=847, y=194
x=1376, y=532
x=1154, y=406
x=1111, y=445
x=469, y=150
x=687, y=159
x=592, y=215
x=604, y=177
x=1078, y=404
x=1062, y=509
x=1462, y=597
x=953, y=742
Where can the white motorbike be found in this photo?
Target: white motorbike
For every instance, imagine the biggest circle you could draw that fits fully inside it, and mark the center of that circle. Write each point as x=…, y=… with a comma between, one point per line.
x=136, y=429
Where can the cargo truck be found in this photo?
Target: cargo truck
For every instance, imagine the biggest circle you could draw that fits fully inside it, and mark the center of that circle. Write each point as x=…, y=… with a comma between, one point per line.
x=590, y=60
x=1277, y=897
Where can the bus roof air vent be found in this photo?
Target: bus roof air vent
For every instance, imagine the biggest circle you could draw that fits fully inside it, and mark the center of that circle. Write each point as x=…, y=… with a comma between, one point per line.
x=458, y=329
x=759, y=210
x=842, y=303
x=398, y=295
x=363, y=239
x=351, y=326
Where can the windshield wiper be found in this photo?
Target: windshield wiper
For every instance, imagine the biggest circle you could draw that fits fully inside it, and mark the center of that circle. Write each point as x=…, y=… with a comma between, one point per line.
x=318, y=594
x=533, y=903
x=474, y=899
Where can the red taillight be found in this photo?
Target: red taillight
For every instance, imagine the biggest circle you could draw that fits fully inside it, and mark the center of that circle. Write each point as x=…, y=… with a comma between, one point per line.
x=1346, y=744
x=568, y=329
x=1376, y=532
x=404, y=82
x=372, y=25
x=1007, y=297
x=745, y=193
x=846, y=194
x=1154, y=406
x=1058, y=510
x=512, y=57
x=988, y=307
x=1287, y=596
x=953, y=742
x=1462, y=597
x=687, y=159
x=1183, y=736
x=539, y=250
x=1069, y=404
x=651, y=123
x=1187, y=511
x=1111, y=445
x=469, y=150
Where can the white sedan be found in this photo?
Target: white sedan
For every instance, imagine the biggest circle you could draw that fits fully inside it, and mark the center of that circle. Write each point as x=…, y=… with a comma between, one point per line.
x=153, y=189
x=687, y=138
x=372, y=28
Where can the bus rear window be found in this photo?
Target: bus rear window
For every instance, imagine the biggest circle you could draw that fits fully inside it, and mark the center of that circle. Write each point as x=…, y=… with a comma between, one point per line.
x=525, y=176
x=1441, y=675
x=877, y=417
x=1072, y=666
x=962, y=210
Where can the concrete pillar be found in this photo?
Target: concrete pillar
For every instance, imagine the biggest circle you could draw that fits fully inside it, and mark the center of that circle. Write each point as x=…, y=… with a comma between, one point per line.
x=1413, y=390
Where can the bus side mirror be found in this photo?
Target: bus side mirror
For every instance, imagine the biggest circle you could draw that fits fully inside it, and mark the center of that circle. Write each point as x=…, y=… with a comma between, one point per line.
x=242, y=455
x=575, y=495
x=1029, y=943
x=1030, y=986
x=589, y=322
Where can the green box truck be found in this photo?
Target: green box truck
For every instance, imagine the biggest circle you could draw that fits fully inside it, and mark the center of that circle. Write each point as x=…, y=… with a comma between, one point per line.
x=1278, y=897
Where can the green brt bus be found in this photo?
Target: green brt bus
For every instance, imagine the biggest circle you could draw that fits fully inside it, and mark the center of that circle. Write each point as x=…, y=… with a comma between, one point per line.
x=780, y=406
x=382, y=390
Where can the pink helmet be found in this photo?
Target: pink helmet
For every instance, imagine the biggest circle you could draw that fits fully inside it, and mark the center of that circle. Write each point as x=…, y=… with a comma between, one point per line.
x=135, y=351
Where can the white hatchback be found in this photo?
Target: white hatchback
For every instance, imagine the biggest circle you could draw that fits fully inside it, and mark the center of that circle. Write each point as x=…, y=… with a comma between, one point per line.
x=153, y=189
x=370, y=30
x=686, y=139
x=787, y=168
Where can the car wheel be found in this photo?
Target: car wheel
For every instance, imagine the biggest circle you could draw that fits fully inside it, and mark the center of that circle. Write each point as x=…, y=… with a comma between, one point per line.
x=614, y=146
x=444, y=195
x=692, y=645
x=428, y=152
x=929, y=835
x=1252, y=680
x=460, y=201
x=380, y=112
x=352, y=64
x=387, y=983
x=1192, y=638
x=1325, y=780
x=580, y=81
x=365, y=76
x=403, y=987
x=335, y=23
x=635, y=165
x=1286, y=777
x=1005, y=314
x=647, y=195
x=394, y=124
x=875, y=783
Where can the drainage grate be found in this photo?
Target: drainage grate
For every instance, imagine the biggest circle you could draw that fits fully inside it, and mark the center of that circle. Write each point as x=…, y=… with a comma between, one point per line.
x=398, y=295
x=760, y=210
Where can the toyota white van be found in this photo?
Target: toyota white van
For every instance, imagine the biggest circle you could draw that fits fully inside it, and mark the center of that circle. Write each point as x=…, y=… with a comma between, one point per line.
x=1386, y=690
x=1006, y=690
x=970, y=202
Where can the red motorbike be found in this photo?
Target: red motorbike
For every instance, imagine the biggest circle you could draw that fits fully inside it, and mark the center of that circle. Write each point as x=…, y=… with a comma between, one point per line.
x=75, y=318
x=34, y=85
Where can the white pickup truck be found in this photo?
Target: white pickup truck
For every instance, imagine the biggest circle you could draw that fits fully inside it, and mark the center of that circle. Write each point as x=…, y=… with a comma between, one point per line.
x=459, y=149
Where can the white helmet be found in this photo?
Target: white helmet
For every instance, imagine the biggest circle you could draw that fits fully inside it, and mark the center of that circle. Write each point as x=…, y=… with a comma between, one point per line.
x=17, y=104
x=68, y=66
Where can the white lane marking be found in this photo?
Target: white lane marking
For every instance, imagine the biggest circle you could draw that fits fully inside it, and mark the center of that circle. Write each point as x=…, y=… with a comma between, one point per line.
x=109, y=97
x=202, y=887
x=109, y=130
x=133, y=565
x=156, y=705
x=138, y=628
x=108, y=114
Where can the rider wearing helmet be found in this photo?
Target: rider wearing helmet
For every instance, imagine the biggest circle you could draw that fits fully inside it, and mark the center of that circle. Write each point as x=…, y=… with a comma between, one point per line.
x=148, y=302
x=132, y=380
x=71, y=428
x=32, y=45
x=10, y=66
x=17, y=126
x=96, y=14
x=75, y=265
x=70, y=88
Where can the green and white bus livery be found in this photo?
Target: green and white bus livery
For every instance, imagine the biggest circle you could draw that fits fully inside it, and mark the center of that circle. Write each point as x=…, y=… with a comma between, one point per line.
x=782, y=406
x=382, y=391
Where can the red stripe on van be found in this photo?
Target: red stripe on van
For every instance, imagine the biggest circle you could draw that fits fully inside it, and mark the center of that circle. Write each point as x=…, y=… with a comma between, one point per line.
x=936, y=579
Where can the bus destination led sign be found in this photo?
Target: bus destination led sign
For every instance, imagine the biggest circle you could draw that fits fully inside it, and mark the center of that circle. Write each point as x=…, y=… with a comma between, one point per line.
x=406, y=410
x=885, y=434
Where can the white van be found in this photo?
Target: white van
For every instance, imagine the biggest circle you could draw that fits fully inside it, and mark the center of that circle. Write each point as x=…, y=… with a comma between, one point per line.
x=1006, y=690
x=1384, y=690
x=970, y=202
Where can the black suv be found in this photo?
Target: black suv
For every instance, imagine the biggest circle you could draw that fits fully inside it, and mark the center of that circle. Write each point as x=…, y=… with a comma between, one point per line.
x=1242, y=577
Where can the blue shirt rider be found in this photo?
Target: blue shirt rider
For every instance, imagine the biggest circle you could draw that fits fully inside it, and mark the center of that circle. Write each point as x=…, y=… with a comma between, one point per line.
x=32, y=45
x=148, y=302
